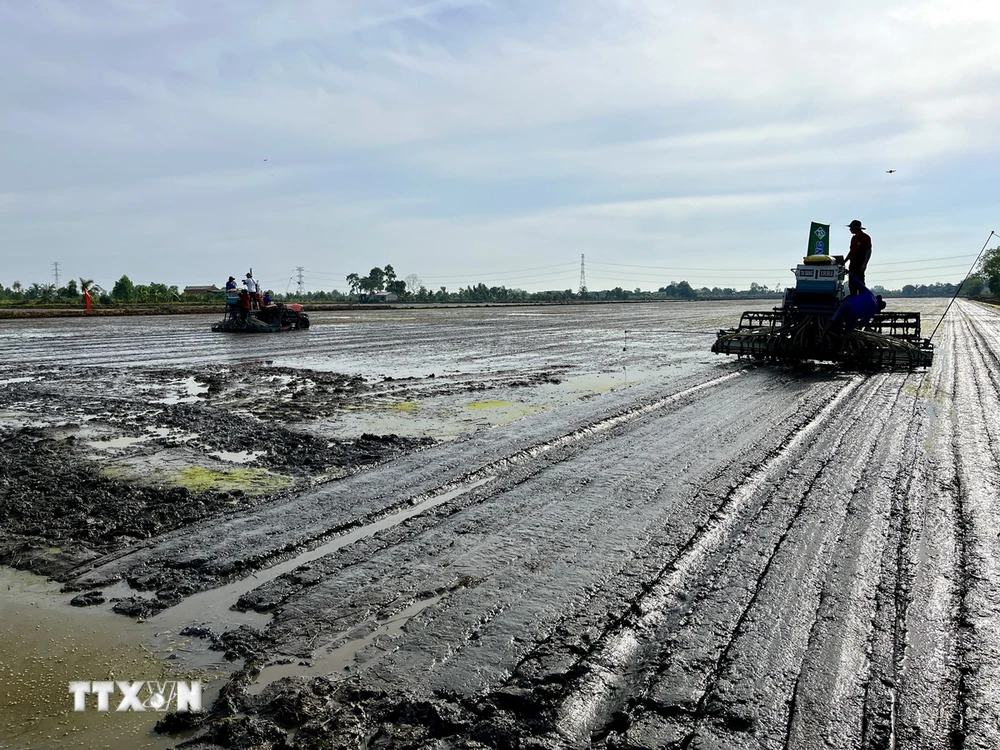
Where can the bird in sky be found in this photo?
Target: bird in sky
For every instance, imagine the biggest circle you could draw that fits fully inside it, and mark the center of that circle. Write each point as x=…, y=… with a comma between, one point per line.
x=889, y=171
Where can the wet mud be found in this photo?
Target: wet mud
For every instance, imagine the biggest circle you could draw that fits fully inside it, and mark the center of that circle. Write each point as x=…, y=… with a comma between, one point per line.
x=652, y=546
x=87, y=474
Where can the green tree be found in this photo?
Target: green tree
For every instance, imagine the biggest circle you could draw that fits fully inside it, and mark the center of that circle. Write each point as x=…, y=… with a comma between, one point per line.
x=123, y=290
x=973, y=286
x=989, y=268
x=69, y=291
x=354, y=283
x=685, y=291
x=376, y=279
x=372, y=282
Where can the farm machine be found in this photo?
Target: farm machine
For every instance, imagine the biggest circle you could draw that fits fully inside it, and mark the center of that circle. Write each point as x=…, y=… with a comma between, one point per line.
x=799, y=330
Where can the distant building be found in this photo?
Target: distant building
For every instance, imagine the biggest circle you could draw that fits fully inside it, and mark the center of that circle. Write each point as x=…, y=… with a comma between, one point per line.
x=198, y=291
x=385, y=297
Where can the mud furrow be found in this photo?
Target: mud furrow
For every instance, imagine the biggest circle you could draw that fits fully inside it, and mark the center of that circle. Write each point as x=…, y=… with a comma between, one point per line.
x=255, y=538
x=675, y=583
x=530, y=509
x=668, y=723
x=975, y=395
x=835, y=546
x=453, y=612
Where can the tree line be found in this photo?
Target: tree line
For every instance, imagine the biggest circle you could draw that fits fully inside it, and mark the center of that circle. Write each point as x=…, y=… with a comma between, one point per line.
x=985, y=281
x=123, y=292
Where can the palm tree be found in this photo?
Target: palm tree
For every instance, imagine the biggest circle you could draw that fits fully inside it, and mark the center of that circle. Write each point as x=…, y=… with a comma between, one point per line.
x=354, y=281
x=17, y=286
x=85, y=283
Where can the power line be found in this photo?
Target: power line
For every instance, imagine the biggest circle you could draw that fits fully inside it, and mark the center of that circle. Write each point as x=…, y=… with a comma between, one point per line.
x=976, y=261
x=769, y=270
x=924, y=260
x=678, y=268
x=342, y=276
x=461, y=276
x=933, y=277
x=937, y=268
x=474, y=280
x=501, y=273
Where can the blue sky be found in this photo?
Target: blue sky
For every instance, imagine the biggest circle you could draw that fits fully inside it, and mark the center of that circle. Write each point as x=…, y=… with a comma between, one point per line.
x=486, y=140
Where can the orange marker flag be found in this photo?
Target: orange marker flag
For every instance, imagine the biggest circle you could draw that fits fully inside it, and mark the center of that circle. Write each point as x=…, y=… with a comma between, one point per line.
x=86, y=299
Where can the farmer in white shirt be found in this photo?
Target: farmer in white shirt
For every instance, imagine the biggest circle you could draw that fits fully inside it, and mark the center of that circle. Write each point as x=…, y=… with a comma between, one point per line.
x=253, y=290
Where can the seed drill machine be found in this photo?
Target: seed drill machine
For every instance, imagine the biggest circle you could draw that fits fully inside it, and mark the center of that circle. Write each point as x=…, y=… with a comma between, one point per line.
x=795, y=331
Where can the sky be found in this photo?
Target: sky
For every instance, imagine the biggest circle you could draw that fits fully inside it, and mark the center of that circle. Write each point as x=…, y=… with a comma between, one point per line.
x=494, y=141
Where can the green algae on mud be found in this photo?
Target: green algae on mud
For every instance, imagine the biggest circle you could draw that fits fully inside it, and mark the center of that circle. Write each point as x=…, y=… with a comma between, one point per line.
x=250, y=481
x=200, y=479
x=488, y=404
x=498, y=413
x=407, y=407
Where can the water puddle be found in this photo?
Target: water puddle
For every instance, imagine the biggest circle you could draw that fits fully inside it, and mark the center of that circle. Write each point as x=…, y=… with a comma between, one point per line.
x=332, y=660
x=187, y=391
x=211, y=609
x=46, y=644
x=238, y=457
x=118, y=442
x=152, y=433
x=28, y=379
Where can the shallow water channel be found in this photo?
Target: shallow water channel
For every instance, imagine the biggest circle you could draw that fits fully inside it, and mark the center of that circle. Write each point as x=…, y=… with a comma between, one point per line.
x=45, y=644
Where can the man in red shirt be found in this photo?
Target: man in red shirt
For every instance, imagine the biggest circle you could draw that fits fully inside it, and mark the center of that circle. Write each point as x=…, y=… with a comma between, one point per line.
x=244, y=305
x=858, y=257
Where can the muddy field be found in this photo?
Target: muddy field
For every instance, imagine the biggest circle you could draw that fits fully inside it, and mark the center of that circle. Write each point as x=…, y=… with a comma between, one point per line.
x=521, y=527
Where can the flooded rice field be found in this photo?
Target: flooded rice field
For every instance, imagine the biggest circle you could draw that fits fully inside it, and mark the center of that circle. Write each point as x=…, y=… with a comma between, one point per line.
x=557, y=527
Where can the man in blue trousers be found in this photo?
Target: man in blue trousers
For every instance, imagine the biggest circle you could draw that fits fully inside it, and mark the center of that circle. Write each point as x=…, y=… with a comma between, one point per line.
x=855, y=310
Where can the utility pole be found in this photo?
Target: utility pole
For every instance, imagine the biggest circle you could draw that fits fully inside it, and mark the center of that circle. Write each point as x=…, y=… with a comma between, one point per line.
x=55, y=271
x=302, y=283
x=583, y=276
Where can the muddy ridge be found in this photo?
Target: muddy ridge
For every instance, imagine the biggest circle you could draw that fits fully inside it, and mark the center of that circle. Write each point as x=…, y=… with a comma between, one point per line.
x=64, y=506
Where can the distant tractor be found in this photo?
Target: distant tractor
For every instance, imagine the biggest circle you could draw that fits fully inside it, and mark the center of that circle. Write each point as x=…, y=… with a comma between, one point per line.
x=270, y=319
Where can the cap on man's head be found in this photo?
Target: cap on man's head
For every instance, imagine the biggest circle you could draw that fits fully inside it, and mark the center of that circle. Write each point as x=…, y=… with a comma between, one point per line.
x=248, y=275
x=856, y=224
x=232, y=278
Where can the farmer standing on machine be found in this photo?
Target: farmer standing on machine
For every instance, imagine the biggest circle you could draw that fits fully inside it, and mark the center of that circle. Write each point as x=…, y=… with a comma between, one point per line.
x=252, y=289
x=858, y=257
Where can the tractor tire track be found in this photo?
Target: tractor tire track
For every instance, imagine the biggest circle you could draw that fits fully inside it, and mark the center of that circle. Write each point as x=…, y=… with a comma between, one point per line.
x=528, y=504
x=752, y=641
x=810, y=597
x=976, y=446
x=267, y=534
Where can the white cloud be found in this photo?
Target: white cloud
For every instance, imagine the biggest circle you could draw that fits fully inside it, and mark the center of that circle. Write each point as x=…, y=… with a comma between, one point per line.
x=489, y=129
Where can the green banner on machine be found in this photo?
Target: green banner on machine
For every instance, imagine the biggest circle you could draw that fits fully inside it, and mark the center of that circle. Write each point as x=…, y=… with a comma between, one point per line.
x=819, y=239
